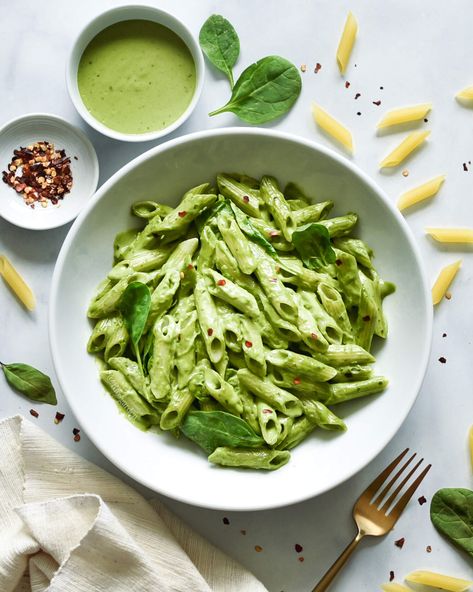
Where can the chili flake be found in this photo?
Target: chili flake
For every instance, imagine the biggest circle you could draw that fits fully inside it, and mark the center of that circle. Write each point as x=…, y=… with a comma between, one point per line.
x=428, y=549
x=248, y=344
x=366, y=318
x=59, y=417
x=422, y=500
x=221, y=282
x=377, y=103
x=357, y=96
x=318, y=67
x=314, y=336
x=258, y=549
x=274, y=233
x=391, y=576
x=465, y=168
x=301, y=559
x=426, y=120
x=266, y=411
x=75, y=431
x=297, y=380
x=347, y=84
x=210, y=332
x=40, y=173
x=400, y=542
x=190, y=266
x=225, y=520
x=442, y=360
x=246, y=199
x=444, y=335
x=298, y=548
x=358, y=112
x=448, y=295
x=182, y=214
x=34, y=413
x=338, y=262
x=77, y=438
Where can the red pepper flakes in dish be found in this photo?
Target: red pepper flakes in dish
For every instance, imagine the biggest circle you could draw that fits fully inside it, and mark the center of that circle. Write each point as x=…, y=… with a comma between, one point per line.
x=210, y=332
x=298, y=548
x=225, y=520
x=442, y=360
x=40, y=173
x=267, y=411
x=248, y=344
x=34, y=413
x=314, y=336
x=221, y=282
x=297, y=380
x=182, y=214
x=59, y=417
x=400, y=542
x=317, y=68
x=258, y=548
x=391, y=576
x=246, y=199
x=422, y=500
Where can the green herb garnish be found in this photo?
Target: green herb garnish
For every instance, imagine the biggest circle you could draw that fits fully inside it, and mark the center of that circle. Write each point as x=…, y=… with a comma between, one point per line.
x=219, y=42
x=451, y=512
x=134, y=305
x=30, y=382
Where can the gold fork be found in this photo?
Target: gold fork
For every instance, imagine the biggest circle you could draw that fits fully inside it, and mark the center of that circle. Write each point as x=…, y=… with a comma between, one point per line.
x=374, y=519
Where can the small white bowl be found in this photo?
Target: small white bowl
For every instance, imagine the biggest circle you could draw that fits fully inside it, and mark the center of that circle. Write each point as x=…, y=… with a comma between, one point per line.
x=84, y=167
x=125, y=13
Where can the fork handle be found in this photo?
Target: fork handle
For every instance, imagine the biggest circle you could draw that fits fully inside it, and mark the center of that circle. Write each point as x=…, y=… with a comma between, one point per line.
x=339, y=563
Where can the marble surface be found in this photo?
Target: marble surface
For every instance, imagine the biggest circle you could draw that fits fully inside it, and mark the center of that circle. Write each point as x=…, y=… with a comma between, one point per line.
x=407, y=52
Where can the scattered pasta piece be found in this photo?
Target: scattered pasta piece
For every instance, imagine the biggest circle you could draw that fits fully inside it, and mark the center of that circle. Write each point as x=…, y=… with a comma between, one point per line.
x=429, y=578
x=470, y=441
x=466, y=94
x=332, y=127
x=443, y=281
x=401, y=152
x=347, y=40
x=17, y=283
x=404, y=115
x=451, y=235
x=393, y=587
x=420, y=193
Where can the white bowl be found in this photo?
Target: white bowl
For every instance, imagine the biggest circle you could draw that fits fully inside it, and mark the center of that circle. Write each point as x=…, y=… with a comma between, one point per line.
x=177, y=468
x=125, y=13
x=85, y=170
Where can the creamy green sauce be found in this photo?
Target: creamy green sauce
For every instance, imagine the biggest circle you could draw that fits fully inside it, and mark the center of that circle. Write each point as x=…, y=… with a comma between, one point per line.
x=136, y=77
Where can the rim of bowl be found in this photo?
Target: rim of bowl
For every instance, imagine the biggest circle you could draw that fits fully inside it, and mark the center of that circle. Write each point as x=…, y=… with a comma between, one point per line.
x=116, y=15
x=423, y=361
x=72, y=129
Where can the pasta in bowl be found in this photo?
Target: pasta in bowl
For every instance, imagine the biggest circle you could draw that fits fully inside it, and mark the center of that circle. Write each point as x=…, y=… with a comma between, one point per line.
x=206, y=315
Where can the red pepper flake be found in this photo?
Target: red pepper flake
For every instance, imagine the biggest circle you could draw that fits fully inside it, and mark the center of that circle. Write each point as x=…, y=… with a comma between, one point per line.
x=182, y=214
x=297, y=380
x=221, y=282
x=225, y=520
x=258, y=549
x=465, y=168
x=76, y=158
x=267, y=411
x=366, y=318
x=357, y=96
x=34, y=413
x=442, y=360
x=243, y=532
x=347, y=84
x=338, y=262
x=377, y=103
x=77, y=438
x=426, y=120
x=448, y=295
x=444, y=335
x=210, y=332
x=298, y=548
x=358, y=112
x=314, y=336
x=381, y=88
x=391, y=576
x=301, y=559
x=318, y=67
x=400, y=542
x=190, y=266
x=246, y=199
x=248, y=344
x=59, y=417
x=422, y=500
x=428, y=549
x=274, y=233
x=75, y=431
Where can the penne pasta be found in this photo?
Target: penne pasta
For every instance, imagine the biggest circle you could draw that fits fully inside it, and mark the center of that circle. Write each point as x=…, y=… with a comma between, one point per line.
x=443, y=281
x=17, y=283
x=465, y=94
x=393, y=587
x=451, y=235
x=347, y=40
x=436, y=580
x=470, y=442
x=420, y=193
x=406, y=147
x=404, y=115
x=332, y=127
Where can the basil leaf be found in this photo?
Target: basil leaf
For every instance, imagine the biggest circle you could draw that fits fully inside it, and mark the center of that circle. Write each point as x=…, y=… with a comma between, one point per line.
x=211, y=429
x=312, y=242
x=265, y=90
x=253, y=233
x=219, y=41
x=30, y=382
x=451, y=512
x=134, y=305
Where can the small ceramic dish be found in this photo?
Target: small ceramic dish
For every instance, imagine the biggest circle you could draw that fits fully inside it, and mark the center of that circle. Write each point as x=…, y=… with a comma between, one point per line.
x=128, y=13
x=27, y=130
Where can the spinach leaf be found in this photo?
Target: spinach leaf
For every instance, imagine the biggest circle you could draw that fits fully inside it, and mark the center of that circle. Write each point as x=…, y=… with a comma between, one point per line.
x=219, y=41
x=30, y=382
x=312, y=242
x=451, y=512
x=253, y=233
x=265, y=90
x=134, y=305
x=211, y=429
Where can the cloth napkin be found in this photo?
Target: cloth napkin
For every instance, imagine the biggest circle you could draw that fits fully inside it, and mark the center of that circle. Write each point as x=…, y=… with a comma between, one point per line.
x=68, y=526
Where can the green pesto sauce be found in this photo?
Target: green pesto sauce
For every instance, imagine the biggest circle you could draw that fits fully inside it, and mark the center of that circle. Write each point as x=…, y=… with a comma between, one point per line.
x=136, y=77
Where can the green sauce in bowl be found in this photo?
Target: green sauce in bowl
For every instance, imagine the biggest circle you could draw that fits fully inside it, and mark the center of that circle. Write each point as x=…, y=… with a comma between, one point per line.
x=136, y=77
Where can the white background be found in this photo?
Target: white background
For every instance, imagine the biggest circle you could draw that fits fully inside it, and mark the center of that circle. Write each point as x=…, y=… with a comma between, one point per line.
x=417, y=51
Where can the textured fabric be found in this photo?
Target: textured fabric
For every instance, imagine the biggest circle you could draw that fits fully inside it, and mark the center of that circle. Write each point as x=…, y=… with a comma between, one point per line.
x=67, y=525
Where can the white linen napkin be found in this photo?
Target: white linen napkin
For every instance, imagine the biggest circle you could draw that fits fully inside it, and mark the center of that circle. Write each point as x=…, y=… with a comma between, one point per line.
x=67, y=525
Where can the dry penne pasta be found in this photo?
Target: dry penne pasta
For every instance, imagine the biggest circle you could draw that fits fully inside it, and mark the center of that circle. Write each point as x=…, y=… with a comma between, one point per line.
x=436, y=580
x=17, y=283
x=332, y=127
x=451, y=235
x=401, y=152
x=470, y=443
x=404, y=115
x=393, y=587
x=465, y=94
x=420, y=193
x=443, y=281
x=347, y=40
